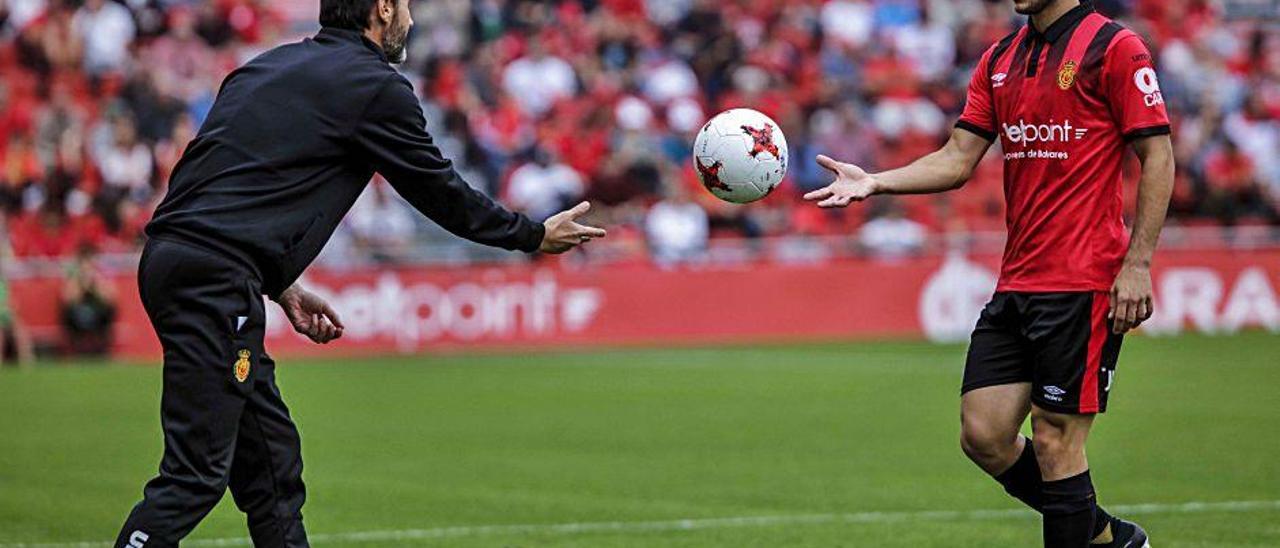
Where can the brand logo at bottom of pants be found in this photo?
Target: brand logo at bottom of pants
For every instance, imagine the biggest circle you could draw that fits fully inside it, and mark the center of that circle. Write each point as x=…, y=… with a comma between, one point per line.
x=138, y=539
x=242, y=365
x=1053, y=393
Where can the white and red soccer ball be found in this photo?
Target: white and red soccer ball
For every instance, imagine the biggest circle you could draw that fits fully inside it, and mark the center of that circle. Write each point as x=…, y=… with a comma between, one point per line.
x=740, y=155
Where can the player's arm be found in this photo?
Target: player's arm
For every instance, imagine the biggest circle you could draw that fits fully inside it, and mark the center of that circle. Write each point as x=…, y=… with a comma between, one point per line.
x=1137, y=105
x=1132, y=296
x=945, y=169
x=393, y=136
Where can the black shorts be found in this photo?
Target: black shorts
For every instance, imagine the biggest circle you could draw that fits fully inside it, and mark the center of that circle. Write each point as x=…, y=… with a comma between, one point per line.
x=1061, y=343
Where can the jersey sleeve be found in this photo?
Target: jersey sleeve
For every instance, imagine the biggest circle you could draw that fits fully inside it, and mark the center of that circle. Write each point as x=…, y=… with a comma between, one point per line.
x=1132, y=89
x=979, y=116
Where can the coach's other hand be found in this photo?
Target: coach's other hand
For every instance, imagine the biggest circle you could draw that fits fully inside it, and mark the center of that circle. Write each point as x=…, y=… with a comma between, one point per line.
x=564, y=233
x=1131, y=298
x=852, y=184
x=310, y=315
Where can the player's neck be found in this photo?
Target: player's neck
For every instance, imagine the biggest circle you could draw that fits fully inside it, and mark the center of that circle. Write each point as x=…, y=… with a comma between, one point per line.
x=1051, y=13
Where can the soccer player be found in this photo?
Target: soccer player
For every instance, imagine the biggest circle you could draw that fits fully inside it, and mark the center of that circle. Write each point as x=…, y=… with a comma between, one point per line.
x=1066, y=95
x=292, y=139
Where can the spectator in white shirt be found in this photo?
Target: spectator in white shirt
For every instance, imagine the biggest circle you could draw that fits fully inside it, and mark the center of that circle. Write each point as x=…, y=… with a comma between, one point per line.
x=107, y=29
x=537, y=80
x=930, y=47
x=125, y=162
x=849, y=21
x=897, y=117
x=667, y=79
x=545, y=186
x=1258, y=135
x=677, y=229
x=891, y=235
x=15, y=14
x=381, y=225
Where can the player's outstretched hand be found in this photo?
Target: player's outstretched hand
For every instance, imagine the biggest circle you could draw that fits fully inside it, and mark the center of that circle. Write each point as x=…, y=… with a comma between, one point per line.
x=852, y=184
x=310, y=315
x=1132, y=299
x=564, y=232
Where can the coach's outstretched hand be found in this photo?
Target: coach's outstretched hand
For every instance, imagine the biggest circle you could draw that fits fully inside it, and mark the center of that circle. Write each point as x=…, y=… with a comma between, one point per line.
x=852, y=184
x=564, y=232
x=310, y=315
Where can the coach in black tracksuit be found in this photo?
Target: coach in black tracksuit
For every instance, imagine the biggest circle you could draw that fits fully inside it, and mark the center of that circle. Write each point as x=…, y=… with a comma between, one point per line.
x=292, y=140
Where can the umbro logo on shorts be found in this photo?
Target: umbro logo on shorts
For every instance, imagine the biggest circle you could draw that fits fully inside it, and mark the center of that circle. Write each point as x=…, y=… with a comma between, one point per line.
x=1053, y=393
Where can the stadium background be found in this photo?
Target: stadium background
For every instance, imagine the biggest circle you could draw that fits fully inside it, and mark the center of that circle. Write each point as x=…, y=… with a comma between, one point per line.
x=545, y=103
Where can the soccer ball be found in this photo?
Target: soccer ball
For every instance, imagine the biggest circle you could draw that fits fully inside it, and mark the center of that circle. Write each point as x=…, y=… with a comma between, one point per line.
x=740, y=155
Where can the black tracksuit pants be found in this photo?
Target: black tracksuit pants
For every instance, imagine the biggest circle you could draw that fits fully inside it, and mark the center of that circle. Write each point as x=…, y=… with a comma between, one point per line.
x=224, y=422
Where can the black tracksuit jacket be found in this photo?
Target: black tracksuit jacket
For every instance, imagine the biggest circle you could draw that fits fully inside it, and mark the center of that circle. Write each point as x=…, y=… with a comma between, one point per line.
x=293, y=138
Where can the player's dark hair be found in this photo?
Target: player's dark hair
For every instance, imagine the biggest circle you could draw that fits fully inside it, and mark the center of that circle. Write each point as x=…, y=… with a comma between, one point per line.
x=346, y=14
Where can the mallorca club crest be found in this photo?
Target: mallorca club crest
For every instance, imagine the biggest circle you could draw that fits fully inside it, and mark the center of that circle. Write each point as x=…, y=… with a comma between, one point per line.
x=1067, y=75
x=242, y=365
x=763, y=138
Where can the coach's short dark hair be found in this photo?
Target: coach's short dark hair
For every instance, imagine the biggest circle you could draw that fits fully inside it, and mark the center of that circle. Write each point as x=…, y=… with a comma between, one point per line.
x=346, y=14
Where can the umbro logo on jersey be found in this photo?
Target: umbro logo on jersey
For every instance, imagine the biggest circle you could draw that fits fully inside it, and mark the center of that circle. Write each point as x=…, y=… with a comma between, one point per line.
x=997, y=79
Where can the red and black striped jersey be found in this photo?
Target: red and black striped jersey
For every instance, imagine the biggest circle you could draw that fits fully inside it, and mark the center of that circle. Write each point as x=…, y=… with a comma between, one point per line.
x=1065, y=103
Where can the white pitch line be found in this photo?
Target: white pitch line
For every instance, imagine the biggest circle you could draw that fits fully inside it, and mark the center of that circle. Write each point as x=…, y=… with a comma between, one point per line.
x=697, y=524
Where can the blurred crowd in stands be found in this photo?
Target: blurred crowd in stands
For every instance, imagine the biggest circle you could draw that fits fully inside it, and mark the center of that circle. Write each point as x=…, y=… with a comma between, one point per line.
x=544, y=103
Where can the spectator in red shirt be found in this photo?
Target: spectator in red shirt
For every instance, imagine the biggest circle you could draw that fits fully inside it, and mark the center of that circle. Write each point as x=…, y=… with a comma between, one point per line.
x=19, y=169
x=1233, y=190
x=44, y=232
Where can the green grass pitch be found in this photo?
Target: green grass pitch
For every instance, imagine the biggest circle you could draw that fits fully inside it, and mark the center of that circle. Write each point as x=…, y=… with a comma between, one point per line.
x=829, y=445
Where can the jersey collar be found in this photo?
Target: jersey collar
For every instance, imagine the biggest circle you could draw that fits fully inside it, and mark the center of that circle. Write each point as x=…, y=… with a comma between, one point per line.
x=348, y=35
x=1064, y=24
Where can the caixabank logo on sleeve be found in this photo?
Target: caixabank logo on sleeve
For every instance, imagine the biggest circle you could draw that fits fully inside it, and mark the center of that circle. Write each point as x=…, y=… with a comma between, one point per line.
x=1149, y=84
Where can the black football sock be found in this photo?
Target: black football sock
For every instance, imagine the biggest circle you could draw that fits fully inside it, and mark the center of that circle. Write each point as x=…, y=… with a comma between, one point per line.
x=1101, y=519
x=1069, y=507
x=1022, y=480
